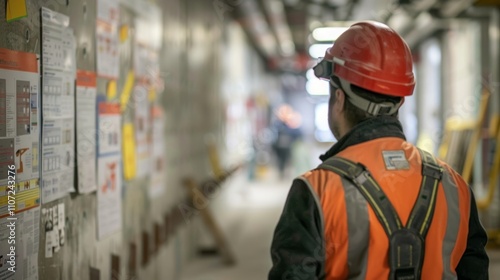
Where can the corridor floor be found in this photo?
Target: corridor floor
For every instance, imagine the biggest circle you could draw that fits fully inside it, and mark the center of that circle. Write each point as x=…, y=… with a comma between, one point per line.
x=248, y=213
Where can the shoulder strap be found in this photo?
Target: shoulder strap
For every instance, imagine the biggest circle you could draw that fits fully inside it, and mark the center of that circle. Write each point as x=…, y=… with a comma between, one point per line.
x=369, y=188
x=423, y=210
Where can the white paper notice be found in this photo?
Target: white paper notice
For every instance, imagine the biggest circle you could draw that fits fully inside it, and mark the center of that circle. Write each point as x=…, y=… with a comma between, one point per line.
x=49, y=247
x=58, y=78
x=142, y=129
x=158, y=176
x=146, y=63
x=19, y=145
x=109, y=175
x=53, y=219
x=26, y=246
x=107, y=38
x=108, y=10
x=61, y=215
x=19, y=119
x=86, y=138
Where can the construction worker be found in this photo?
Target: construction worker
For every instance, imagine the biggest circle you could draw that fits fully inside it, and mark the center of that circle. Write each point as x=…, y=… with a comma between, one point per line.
x=377, y=207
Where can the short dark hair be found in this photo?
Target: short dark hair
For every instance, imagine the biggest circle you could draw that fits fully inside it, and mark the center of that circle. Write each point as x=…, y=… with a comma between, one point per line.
x=354, y=115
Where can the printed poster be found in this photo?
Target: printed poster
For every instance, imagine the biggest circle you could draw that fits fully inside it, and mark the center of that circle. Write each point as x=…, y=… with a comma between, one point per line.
x=27, y=235
x=109, y=175
x=19, y=118
x=146, y=64
x=158, y=176
x=58, y=108
x=19, y=146
x=142, y=130
x=53, y=219
x=108, y=62
x=86, y=137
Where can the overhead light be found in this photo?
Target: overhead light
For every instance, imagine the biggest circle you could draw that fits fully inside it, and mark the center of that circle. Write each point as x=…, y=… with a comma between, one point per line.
x=317, y=87
x=318, y=50
x=322, y=34
x=310, y=75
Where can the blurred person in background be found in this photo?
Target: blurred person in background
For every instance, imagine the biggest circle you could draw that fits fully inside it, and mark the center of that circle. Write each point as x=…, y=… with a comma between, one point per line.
x=286, y=128
x=377, y=207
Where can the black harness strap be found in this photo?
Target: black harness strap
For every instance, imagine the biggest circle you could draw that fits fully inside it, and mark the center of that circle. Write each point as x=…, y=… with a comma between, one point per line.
x=406, y=243
x=364, y=182
x=423, y=210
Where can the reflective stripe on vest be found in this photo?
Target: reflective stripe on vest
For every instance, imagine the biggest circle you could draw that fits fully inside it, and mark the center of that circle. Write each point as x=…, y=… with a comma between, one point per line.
x=452, y=228
x=359, y=226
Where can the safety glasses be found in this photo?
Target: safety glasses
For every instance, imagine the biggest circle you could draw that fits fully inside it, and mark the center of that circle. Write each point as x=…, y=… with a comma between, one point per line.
x=323, y=69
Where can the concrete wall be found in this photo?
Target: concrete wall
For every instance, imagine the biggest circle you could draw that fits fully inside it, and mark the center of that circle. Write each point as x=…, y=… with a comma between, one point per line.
x=190, y=67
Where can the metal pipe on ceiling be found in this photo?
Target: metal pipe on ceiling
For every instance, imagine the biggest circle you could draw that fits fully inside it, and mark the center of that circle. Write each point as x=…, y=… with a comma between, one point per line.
x=454, y=8
x=276, y=14
x=253, y=21
x=402, y=17
x=415, y=32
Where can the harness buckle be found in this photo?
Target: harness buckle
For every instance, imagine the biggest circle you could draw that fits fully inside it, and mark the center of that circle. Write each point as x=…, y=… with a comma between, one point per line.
x=432, y=170
x=359, y=174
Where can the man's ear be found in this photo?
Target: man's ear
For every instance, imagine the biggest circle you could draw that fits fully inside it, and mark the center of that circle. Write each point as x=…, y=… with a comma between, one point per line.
x=339, y=100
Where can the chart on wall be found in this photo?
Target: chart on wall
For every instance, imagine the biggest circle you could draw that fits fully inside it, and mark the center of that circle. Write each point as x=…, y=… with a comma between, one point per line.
x=19, y=154
x=109, y=177
x=19, y=127
x=86, y=137
x=147, y=73
x=107, y=38
x=58, y=108
x=26, y=232
x=158, y=175
x=142, y=130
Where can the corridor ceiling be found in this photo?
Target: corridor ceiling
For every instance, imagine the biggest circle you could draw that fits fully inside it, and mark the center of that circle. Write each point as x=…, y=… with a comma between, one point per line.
x=280, y=29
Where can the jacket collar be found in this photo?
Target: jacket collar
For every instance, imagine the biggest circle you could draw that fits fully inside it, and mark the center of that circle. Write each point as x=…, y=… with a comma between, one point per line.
x=367, y=130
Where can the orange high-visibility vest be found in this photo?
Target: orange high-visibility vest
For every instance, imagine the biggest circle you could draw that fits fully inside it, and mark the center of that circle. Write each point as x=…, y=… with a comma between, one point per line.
x=356, y=245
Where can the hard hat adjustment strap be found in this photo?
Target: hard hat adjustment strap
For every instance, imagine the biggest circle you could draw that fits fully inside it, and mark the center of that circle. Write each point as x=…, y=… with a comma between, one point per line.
x=375, y=109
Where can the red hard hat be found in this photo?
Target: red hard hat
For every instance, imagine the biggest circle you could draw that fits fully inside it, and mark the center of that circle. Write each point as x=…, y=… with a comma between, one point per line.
x=373, y=56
